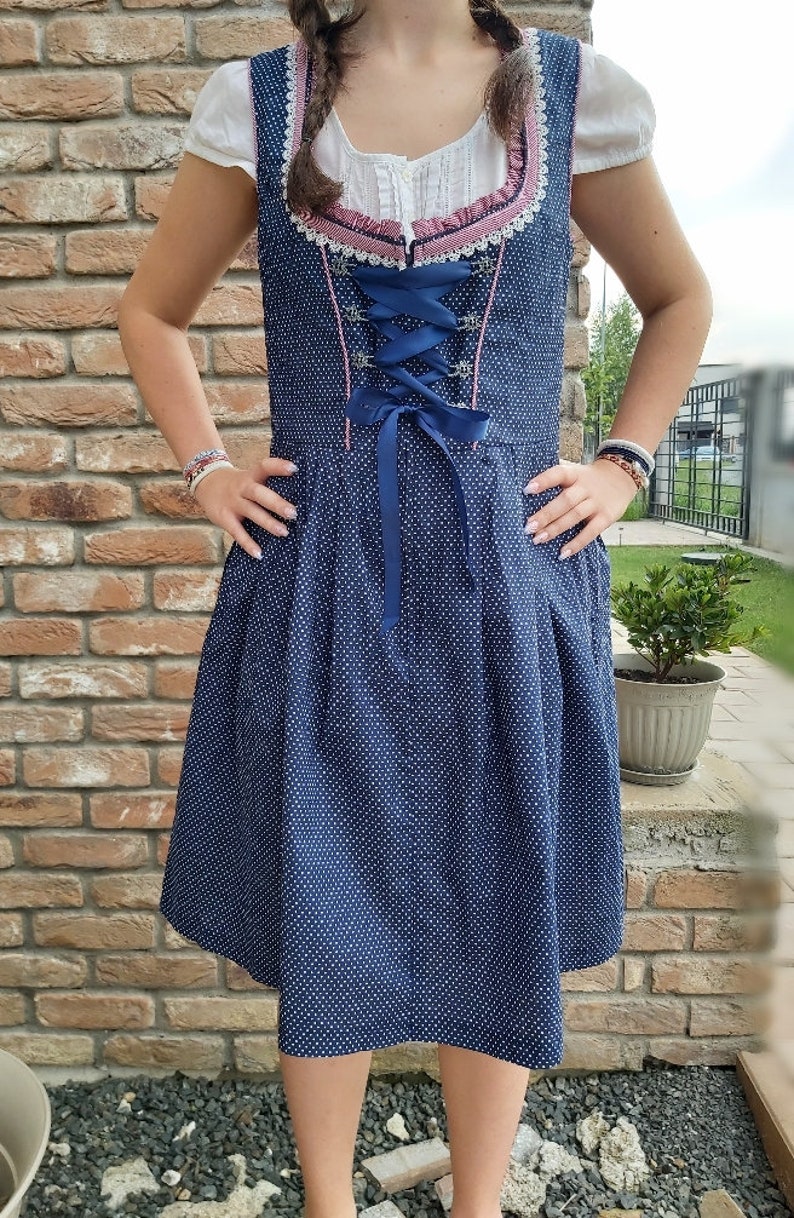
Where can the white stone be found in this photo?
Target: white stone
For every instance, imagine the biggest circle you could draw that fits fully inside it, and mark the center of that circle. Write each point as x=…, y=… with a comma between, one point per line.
x=62, y=1149
x=591, y=1130
x=621, y=1158
x=171, y=1177
x=523, y=1190
x=384, y=1209
x=526, y=1145
x=554, y=1159
x=396, y=1127
x=408, y=1165
x=120, y=1182
x=242, y=1202
x=185, y=1132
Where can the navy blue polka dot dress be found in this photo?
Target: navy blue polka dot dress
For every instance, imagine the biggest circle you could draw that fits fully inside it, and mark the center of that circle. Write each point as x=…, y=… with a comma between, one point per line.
x=400, y=801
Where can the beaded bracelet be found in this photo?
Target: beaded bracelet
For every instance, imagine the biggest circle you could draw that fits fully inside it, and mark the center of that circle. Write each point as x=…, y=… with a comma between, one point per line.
x=631, y=450
x=639, y=477
x=202, y=460
x=208, y=469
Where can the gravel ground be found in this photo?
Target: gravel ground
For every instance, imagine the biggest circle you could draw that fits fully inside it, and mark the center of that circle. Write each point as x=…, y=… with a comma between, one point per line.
x=694, y=1127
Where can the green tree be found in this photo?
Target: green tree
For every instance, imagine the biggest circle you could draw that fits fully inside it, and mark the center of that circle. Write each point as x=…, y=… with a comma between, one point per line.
x=612, y=344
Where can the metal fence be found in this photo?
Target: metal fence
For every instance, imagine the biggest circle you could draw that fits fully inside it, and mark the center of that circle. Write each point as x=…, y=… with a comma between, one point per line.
x=702, y=474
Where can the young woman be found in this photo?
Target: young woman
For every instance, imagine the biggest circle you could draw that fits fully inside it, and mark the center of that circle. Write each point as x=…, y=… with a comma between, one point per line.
x=400, y=803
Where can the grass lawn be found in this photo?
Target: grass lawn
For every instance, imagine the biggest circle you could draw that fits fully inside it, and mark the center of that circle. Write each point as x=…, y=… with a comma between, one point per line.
x=768, y=598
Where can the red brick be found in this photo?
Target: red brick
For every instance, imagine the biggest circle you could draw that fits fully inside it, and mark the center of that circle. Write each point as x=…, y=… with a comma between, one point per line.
x=587, y=1051
x=231, y=304
x=625, y=1016
x=68, y=405
x=39, y=970
x=240, y=354
x=12, y=933
x=24, y=151
x=167, y=90
x=194, y=1053
x=78, y=592
x=133, y=547
x=5, y=680
x=238, y=978
x=733, y=933
x=131, y=636
x=86, y=767
x=6, y=852
x=31, y=808
x=687, y=1051
x=169, y=765
x=25, y=724
x=168, y=499
x=137, y=890
x=34, y=452
x=600, y=977
x=636, y=888
x=142, y=721
x=231, y=1014
x=73, y=500
x=12, y=1009
x=27, y=255
x=91, y=679
x=151, y=193
x=163, y=842
x=64, y=307
x=8, y=768
x=37, y=358
x=150, y=972
x=229, y=37
x=655, y=933
x=87, y=1010
x=692, y=889
x=101, y=40
x=728, y=1017
x=18, y=43
x=97, y=251
x=128, y=810
x=136, y=452
x=175, y=679
x=186, y=591
x=36, y=547
x=46, y=636
x=43, y=849
x=120, y=146
x=709, y=975
x=94, y=932
x=50, y=1049
x=62, y=95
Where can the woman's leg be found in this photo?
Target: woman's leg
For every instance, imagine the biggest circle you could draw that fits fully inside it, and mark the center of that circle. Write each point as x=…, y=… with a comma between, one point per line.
x=483, y=1097
x=324, y=1097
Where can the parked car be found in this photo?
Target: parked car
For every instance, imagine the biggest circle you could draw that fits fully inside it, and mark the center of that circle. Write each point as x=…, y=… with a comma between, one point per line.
x=704, y=452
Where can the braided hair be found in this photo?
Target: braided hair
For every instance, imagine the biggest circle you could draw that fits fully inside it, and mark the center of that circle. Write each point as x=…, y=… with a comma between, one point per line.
x=506, y=97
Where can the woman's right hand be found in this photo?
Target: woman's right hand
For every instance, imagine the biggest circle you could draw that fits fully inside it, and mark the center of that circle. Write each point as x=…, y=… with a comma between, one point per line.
x=230, y=496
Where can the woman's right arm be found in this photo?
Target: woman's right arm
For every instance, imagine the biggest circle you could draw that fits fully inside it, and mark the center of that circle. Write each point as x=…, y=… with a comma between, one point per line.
x=209, y=214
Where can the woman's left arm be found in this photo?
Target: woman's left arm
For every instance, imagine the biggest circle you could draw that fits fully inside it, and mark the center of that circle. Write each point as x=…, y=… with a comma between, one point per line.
x=626, y=215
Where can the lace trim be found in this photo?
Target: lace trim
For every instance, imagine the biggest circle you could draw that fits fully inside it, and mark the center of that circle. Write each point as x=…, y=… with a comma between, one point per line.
x=322, y=230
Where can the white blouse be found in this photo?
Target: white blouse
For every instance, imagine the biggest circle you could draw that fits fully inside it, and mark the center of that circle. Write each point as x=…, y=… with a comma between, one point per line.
x=615, y=124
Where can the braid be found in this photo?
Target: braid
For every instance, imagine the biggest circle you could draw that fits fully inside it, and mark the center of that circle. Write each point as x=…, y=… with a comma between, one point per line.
x=307, y=186
x=506, y=96
x=508, y=91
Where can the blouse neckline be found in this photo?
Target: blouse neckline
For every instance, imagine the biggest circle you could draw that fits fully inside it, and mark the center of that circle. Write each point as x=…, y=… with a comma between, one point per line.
x=484, y=222
x=352, y=151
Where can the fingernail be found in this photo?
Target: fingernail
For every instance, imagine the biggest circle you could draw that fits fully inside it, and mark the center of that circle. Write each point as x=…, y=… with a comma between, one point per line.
x=293, y=469
x=292, y=513
x=531, y=486
x=564, y=554
x=540, y=537
x=531, y=526
x=258, y=555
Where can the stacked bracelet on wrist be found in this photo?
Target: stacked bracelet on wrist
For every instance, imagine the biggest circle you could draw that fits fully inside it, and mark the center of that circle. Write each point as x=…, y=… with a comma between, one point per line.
x=629, y=455
x=204, y=463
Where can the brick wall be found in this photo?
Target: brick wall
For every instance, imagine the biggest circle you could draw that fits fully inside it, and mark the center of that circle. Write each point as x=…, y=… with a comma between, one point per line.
x=109, y=572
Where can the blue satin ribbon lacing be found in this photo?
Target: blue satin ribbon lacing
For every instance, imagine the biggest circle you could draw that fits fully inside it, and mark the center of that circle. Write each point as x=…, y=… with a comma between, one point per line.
x=413, y=292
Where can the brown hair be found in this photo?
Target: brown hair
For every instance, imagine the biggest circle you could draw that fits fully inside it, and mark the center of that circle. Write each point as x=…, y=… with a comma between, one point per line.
x=505, y=100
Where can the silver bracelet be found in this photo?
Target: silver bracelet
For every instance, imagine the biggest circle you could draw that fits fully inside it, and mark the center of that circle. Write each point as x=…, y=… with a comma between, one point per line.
x=633, y=446
x=208, y=469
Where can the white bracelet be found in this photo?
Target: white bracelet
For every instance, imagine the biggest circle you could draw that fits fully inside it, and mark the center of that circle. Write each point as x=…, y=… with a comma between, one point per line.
x=633, y=446
x=208, y=470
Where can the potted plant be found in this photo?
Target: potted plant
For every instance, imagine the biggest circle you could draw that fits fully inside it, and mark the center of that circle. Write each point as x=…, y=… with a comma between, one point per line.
x=665, y=694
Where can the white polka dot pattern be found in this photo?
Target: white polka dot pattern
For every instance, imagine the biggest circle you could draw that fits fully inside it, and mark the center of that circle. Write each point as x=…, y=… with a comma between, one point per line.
x=409, y=836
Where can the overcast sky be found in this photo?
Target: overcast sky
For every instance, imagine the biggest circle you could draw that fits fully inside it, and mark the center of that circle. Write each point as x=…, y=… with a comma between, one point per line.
x=721, y=77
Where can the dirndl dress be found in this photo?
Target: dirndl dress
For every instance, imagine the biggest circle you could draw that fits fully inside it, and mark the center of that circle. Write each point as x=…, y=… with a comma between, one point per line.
x=400, y=799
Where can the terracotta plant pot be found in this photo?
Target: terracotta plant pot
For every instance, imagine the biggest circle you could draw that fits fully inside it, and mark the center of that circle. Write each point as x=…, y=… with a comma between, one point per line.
x=25, y=1116
x=662, y=726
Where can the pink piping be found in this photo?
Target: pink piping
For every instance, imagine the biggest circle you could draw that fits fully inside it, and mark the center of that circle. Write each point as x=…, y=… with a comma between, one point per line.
x=491, y=295
x=342, y=343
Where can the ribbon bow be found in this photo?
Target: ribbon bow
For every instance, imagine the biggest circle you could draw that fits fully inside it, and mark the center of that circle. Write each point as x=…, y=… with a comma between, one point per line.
x=413, y=292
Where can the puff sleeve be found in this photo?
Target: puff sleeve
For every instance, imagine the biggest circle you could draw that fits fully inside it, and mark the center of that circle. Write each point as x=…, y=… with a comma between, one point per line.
x=221, y=127
x=615, y=117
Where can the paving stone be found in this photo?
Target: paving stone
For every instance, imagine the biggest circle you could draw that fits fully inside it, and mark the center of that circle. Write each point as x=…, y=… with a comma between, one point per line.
x=408, y=1165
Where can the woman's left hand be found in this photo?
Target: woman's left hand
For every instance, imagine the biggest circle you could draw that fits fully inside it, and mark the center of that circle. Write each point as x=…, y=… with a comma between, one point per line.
x=598, y=492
